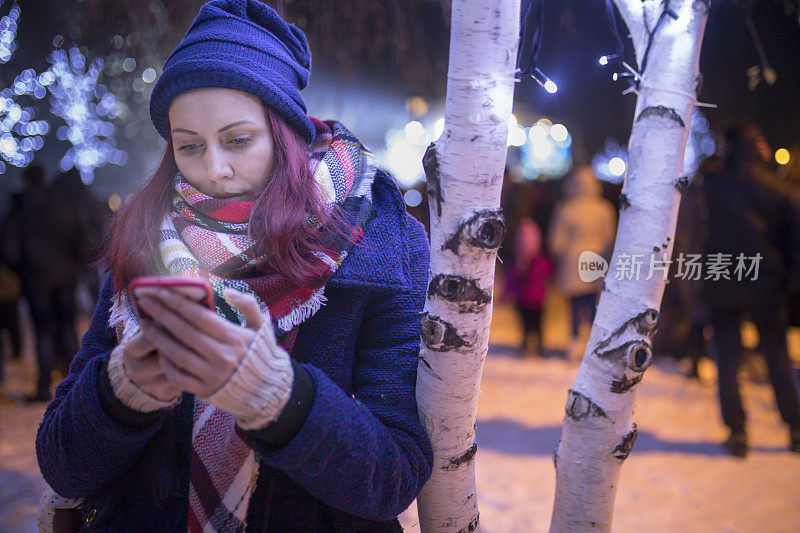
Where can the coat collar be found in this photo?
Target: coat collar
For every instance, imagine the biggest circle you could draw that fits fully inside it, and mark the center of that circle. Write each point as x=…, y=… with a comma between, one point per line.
x=380, y=259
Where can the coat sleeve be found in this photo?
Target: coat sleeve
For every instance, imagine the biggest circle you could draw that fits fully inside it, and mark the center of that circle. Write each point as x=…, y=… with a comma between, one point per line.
x=80, y=445
x=368, y=455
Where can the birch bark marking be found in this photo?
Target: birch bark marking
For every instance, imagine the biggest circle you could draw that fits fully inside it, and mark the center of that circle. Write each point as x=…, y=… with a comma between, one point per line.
x=599, y=432
x=464, y=171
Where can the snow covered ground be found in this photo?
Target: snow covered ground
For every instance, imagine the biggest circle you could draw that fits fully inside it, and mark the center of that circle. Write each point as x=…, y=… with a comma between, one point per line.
x=677, y=478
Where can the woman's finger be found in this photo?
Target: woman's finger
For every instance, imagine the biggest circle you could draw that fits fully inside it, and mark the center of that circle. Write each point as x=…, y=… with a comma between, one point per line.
x=143, y=369
x=161, y=387
x=139, y=346
x=188, y=322
x=180, y=356
x=247, y=306
x=178, y=377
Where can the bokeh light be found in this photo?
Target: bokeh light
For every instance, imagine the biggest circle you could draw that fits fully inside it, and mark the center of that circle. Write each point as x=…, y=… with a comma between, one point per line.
x=404, y=158
x=149, y=75
x=616, y=166
x=417, y=106
x=114, y=202
x=516, y=134
x=438, y=129
x=415, y=133
x=601, y=161
x=782, y=156
x=129, y=64
x=559, y=133
x=545, y=154
x=412, y=198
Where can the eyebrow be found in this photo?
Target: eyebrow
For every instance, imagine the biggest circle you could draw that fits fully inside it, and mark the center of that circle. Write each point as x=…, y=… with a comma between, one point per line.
x=229, y=126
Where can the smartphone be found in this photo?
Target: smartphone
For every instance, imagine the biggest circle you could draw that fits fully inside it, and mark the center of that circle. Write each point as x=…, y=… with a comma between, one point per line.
x=198, y=290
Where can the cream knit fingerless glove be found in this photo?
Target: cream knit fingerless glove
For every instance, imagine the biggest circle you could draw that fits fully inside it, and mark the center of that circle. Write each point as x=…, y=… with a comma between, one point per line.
x=126, y=390
x=259, y=388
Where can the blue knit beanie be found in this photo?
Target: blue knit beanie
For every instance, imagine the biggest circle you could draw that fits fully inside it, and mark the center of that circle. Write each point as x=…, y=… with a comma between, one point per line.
x=242, y=45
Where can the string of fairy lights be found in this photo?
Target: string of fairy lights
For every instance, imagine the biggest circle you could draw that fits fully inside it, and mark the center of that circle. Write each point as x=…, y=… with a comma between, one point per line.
x=20, y=134
x=610, y=162
x=530, y=40
x=622, y=70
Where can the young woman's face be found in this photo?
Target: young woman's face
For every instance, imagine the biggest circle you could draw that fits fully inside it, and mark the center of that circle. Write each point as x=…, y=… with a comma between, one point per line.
x=222, y=142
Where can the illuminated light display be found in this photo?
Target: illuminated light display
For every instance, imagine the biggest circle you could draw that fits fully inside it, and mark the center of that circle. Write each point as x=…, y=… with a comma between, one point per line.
x=88, y=108
x=547, y=151
x=20, y=136
x=8, y=34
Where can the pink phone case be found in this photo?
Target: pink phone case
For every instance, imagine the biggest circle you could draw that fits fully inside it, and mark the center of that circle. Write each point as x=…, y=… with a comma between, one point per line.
x=196, y=289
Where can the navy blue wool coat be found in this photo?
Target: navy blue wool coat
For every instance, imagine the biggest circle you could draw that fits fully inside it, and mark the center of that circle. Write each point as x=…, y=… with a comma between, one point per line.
x=356, y=461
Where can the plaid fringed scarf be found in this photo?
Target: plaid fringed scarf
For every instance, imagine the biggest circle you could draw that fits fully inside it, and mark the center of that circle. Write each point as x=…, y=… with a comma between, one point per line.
x=204, y=236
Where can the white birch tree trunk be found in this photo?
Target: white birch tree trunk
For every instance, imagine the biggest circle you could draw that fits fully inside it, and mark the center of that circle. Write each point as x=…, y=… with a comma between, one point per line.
x=598, y=431
x=464, y=171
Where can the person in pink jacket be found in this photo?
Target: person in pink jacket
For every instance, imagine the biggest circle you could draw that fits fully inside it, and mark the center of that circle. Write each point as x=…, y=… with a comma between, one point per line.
x=526, y=279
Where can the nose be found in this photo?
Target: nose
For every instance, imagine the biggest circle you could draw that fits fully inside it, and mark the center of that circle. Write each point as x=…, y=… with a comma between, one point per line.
x=217, y=165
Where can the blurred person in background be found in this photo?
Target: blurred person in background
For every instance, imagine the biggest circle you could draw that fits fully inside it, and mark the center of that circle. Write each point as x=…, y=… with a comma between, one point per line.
x=525, y=282
x=583, y=221
x=89, y=217
x=684, y=311
x=790, y=174
x=10, y=282
x=751, y=214
x=47, y=244
x=10, y=292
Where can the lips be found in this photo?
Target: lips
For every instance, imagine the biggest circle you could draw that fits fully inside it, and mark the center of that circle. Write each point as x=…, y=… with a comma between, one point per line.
x=230, y=196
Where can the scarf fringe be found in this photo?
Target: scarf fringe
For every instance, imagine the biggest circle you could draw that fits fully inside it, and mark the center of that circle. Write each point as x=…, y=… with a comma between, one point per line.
x=117, y=313
x=303, y=312
x=122, y=317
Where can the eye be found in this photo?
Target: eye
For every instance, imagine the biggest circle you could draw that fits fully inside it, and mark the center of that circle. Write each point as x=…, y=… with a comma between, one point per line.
x=239, y=141
x=188, y=148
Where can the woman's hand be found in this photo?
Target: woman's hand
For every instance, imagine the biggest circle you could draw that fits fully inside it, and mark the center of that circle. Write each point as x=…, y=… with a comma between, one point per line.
x=142, y=367
x=198, y=350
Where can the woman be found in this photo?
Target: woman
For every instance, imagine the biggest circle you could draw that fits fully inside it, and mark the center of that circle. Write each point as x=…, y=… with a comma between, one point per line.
x=292, y=408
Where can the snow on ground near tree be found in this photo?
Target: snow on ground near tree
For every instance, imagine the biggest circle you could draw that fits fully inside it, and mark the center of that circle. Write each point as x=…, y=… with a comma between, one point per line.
x=677, y=478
